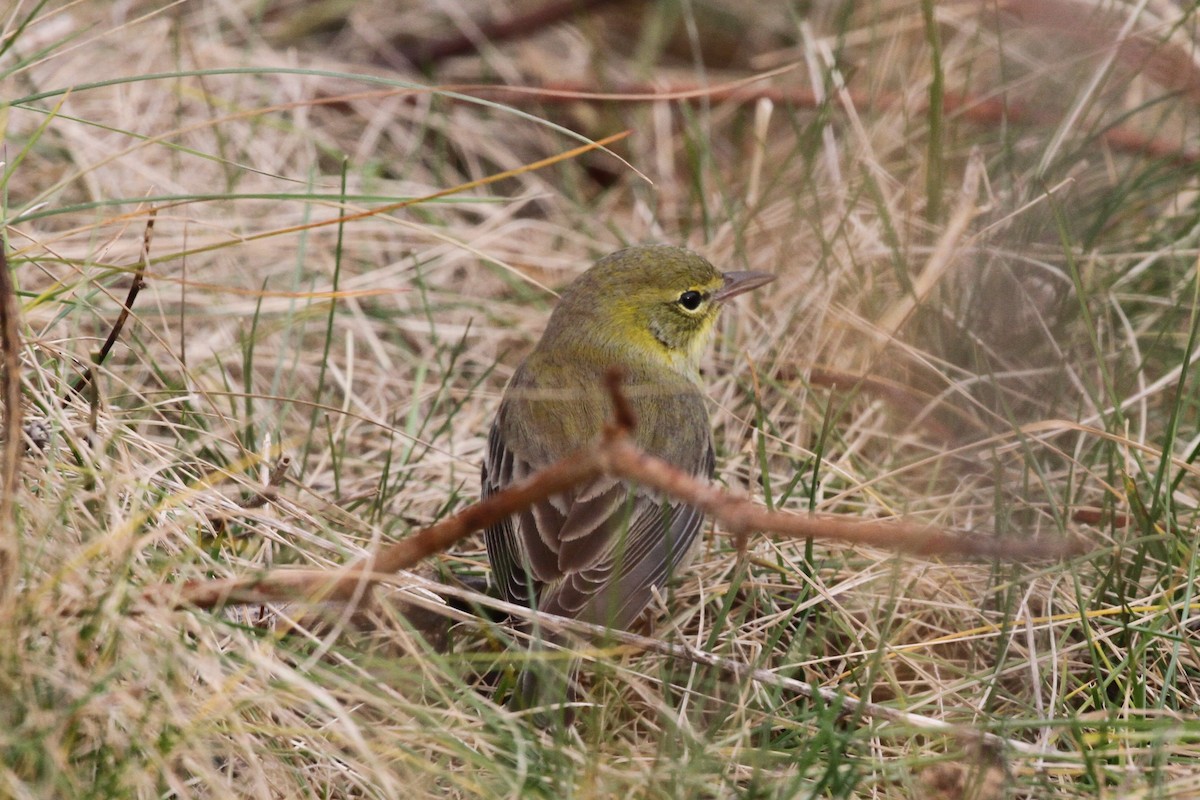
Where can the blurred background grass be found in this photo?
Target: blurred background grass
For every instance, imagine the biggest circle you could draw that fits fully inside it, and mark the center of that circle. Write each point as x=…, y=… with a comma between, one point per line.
x=984, y=218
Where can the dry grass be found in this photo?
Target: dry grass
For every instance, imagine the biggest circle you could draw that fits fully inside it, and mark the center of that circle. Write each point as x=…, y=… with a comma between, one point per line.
x=986, y=212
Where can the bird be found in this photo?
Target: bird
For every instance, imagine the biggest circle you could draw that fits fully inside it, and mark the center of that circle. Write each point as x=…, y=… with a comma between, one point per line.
x=598, y=551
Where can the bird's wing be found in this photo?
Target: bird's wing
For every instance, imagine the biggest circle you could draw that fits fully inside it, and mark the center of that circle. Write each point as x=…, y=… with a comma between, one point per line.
x=592, y=554
x=610, y=571
x=521, y=562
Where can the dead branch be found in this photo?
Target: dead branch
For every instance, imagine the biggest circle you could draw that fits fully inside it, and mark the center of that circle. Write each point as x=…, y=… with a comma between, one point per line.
x=139, y=282
x=10, y=387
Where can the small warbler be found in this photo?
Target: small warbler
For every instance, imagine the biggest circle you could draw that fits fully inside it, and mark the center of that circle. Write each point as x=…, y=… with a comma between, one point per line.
x=597, y=552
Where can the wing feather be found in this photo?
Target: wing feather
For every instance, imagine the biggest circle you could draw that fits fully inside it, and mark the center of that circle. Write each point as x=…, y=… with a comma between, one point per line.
x=594, y=554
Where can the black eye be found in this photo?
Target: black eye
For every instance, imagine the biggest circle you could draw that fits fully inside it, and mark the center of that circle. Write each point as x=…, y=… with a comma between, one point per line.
x=691, y=300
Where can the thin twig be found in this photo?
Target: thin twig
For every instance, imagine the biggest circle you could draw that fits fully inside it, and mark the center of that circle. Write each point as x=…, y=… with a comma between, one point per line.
x=10, y=387
x=139, y=282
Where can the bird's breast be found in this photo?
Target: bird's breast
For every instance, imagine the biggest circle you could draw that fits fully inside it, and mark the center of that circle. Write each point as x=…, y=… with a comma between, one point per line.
x=552, y=410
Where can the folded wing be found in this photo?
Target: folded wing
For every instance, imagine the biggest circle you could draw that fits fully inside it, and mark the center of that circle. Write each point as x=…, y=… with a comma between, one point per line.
x=593, y=554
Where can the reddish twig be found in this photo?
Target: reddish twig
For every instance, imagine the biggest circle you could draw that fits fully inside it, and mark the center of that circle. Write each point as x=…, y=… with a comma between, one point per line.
x=616, y=455
x=10, y=387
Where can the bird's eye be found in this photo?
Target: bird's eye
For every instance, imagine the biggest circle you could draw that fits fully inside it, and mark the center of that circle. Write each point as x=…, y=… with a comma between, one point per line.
x=691, y=300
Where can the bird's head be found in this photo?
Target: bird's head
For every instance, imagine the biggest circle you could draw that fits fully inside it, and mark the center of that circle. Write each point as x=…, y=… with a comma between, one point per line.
x=653, y=305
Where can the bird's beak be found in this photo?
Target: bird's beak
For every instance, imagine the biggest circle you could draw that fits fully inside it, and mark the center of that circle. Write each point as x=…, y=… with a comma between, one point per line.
x=738, y=282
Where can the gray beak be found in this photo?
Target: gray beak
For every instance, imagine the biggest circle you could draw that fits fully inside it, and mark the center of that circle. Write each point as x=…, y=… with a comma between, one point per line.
x=738, y=282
